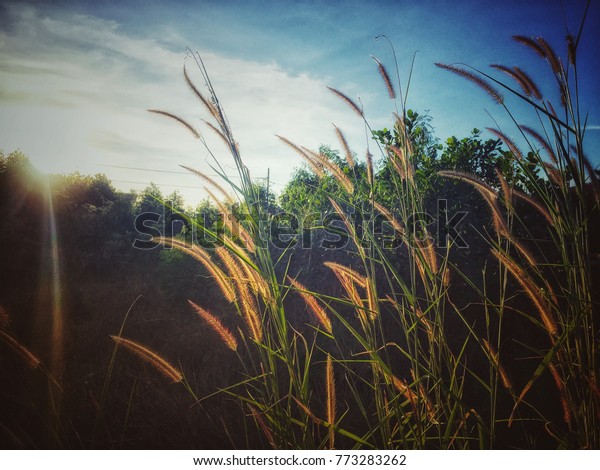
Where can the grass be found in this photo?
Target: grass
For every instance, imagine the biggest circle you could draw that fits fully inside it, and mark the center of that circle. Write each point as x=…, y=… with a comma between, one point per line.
x=390, y=355
x=406, y=383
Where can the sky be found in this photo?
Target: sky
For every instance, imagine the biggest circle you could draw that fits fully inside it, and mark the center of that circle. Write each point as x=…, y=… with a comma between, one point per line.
x=76, y=78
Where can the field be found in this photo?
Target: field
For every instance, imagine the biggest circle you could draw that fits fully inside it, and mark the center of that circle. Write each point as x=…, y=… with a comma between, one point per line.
x=427, y=296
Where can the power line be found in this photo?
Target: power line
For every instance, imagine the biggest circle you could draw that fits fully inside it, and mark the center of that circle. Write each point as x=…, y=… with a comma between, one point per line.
x=145, y=169
x=158, y=184
x=213, y=175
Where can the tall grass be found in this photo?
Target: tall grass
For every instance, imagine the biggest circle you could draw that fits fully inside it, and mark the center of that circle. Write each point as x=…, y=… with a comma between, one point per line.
x=567, y=197
x=377, y=367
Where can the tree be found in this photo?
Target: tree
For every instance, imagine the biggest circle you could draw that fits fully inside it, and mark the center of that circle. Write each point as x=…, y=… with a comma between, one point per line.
x=307, y=193
x=76, y=190
x=151, y=199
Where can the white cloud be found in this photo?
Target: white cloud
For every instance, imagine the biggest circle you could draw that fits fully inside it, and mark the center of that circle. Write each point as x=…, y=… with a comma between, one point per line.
x=74, y=90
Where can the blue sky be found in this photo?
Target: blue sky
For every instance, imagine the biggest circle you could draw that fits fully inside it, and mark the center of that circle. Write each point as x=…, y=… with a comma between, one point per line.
x=77, y=77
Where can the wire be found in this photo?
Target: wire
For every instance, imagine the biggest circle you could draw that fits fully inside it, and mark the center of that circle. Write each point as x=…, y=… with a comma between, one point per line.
x=145, y=169
x=172, y=172
x=158, y=184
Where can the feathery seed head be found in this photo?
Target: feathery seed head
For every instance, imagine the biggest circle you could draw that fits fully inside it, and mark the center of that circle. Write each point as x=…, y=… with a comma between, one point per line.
x=318, y=311
x=30, y=358
x=480, y=82
x=386, y=78
x=225, y=334
x=181, y=121
x=348, y=101
x=151, y=358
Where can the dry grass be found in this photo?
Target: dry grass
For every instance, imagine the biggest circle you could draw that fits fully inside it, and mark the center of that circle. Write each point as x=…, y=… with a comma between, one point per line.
x=331, y=400
x=31, y=359
x=151, y=358
x=317, y=311
x=227, y=336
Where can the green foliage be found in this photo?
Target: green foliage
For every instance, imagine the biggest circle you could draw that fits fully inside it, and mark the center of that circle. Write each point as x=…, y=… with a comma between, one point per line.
x=151, y=199
x=416, y=132
x=76, y=190
x=304, y=193
x=308, y=194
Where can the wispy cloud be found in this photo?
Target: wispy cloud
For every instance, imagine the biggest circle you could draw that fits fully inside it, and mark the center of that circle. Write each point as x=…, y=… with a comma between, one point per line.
x=74, y=88
x=108, y=78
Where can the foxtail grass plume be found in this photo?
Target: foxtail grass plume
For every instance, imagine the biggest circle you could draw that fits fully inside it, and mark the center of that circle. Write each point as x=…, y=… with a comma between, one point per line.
x=226, y=335
x=372, y=301
x=555, y=175
x=30, y=358
x=539, y=207
x=525, y=82
x=494, y=356
x=560, y=385
x=508, y=141
x=532, y=290
x=258, y=283
x=181, y=121
x=309, y=413
x=550, y=55
x=471, y=179
x=236, y=229
x=480, y=82
x=349, y=279
x=345, y=271
x=203, y=257
x=402, y=387
x=540, y=140
x=151, y=358
x=424, y=398
x=386, y=78
x=209, y=106
x=208, y=180
x=344, y=142
x=401, y=164
x=305, y=154
x=506, y=190
x=331, y=400
x=317, y=311
x=541, y=47
x=390, y=217
x=489, y=196
x=369, y=159
x=249, y=309
x=508, y=199
x=263, y=426
x=400, y=126
x=353, y=295
x=233, y=225
x=323, y=162
x=218, y=132
x=531, y=43
x=336, y=172
x=348, y=223
x=348, y=101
